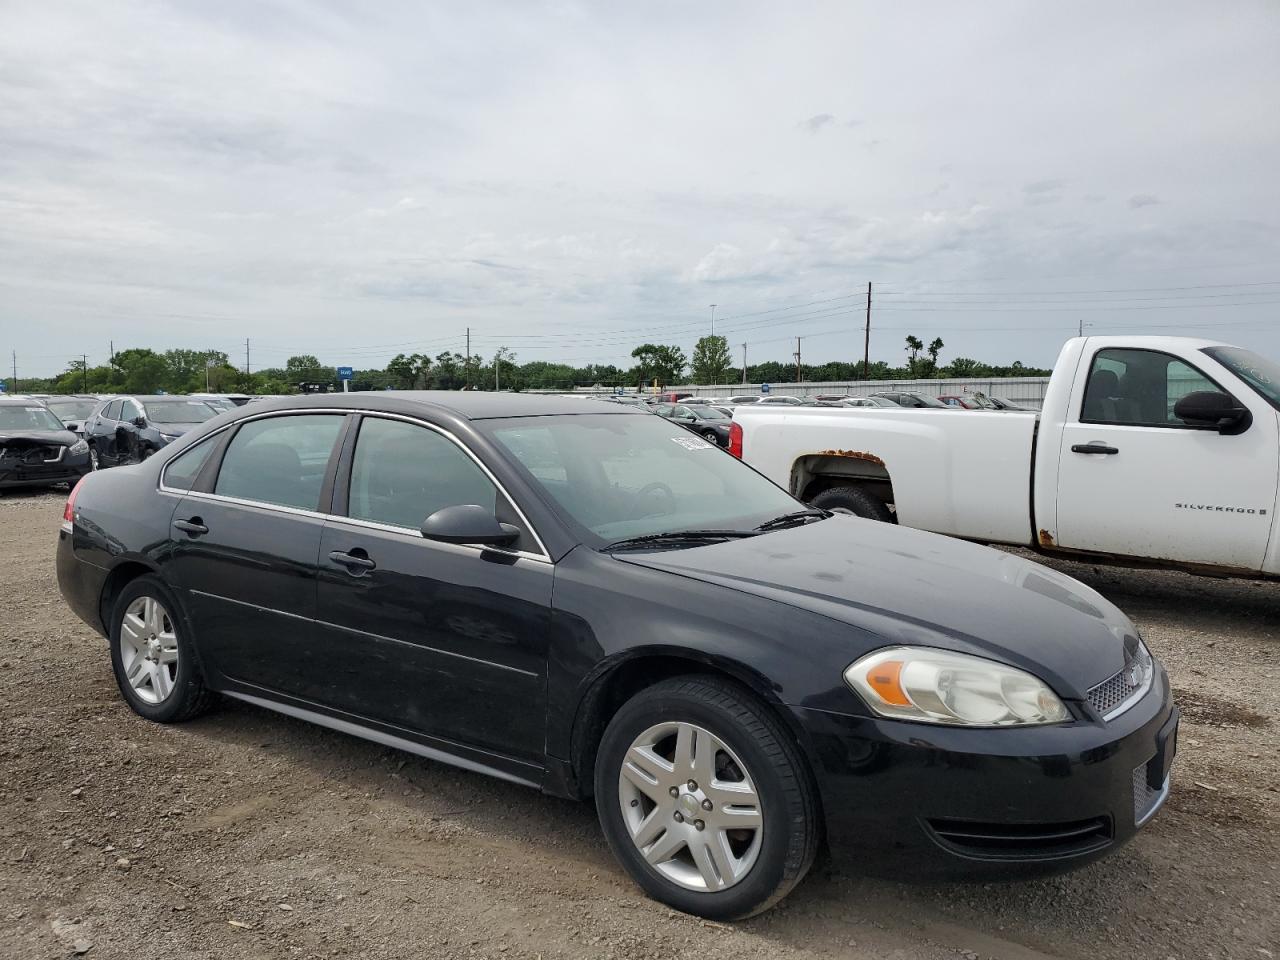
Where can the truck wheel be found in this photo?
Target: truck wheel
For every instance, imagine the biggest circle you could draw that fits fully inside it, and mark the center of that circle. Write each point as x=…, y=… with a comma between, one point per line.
x=853, y=500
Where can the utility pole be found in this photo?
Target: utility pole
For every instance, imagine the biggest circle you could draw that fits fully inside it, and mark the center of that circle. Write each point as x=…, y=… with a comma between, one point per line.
x=866, y=339
x=744, y=364
x=713, y=319
x=15, y=372
x=246, y=363
x=84, y=372
x=797, y=359
x=113, y=352
x=467, y=366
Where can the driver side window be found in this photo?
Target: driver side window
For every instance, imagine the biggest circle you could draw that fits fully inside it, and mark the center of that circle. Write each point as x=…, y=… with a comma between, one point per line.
x=1139, y=388
x=402, y=473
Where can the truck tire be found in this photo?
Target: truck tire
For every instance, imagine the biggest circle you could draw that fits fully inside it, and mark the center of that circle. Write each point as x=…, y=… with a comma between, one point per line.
x=849, y=498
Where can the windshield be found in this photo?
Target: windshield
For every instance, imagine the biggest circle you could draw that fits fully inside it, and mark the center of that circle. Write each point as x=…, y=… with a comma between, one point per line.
x=72, y=409
x=179, y=411
x=14, y=417
x=708, y=413
x=628, y=476
x=1261, y=374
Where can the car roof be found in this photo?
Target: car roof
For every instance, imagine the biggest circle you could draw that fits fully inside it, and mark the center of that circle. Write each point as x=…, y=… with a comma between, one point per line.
x=466, y=404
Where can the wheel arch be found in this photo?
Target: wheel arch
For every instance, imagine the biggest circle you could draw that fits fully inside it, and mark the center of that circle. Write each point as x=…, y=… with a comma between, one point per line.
x=615, y=681
x=813, y=473
x=121, y=575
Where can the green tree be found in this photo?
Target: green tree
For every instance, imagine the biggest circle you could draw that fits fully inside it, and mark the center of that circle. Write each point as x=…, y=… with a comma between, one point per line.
x=308, y=369
x=914, y=346
x=661, y=362
x=409, y=372
x=711, y=359
x=140, y=370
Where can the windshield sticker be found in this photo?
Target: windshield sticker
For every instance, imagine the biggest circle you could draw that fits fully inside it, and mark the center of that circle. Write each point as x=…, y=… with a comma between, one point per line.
x=693, y=443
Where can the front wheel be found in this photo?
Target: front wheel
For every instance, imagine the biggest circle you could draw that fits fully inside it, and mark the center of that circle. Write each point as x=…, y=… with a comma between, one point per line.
x=705, y=798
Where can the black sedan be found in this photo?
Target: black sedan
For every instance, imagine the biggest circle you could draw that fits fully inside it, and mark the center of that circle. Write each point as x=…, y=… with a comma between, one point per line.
x=708, y=422
x=589, y=601
x=36, y=448
x=129, y=429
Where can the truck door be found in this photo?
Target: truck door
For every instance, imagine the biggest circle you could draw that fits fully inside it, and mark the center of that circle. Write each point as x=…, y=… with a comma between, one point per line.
x=1134, y=480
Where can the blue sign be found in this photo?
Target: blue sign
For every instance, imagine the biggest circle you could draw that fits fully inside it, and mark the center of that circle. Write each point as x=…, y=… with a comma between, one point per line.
x=344, y=373
x=764, y=388
x=3, y=386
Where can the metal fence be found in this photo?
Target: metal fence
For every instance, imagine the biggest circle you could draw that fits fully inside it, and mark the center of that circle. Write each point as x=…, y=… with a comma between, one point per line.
x=1024, y=391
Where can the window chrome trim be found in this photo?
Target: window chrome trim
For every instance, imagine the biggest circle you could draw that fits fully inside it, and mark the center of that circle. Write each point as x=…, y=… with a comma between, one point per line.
x=543, y=557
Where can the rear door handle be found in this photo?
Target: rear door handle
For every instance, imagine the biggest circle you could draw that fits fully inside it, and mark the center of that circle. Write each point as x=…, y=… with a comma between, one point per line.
x=354, y=562
x=1095, y=447
x=192, y=526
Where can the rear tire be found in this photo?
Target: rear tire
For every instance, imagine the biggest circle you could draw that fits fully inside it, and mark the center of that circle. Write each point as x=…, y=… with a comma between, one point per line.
x=152, y=656
x=710, y=437
x=854, y=500
x=719, y=870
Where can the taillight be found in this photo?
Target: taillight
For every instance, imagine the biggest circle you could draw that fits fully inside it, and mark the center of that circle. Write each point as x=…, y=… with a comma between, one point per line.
x=69, y=511
x=735, y=439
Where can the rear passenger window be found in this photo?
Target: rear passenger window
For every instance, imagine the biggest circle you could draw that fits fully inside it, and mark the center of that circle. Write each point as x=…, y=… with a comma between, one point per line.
x=280, y=460
x=403, y=473
x=182, y=471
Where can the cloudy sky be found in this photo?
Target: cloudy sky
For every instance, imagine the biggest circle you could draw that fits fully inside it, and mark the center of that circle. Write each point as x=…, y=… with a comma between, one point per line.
x=571, y=179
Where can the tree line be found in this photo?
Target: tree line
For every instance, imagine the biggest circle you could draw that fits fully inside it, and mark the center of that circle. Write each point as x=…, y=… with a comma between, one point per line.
x=144, y=371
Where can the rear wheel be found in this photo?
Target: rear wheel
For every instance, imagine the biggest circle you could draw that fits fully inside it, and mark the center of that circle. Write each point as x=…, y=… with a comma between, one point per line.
x=710, y=437
x=854, y=500
x=705, y=799
x=151, y=655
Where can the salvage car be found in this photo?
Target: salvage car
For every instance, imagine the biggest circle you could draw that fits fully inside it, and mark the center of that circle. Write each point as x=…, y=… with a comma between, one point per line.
x=36, y=448
x=708, y=422
x=590, y=601
x=129, y=429
x=1149, y=450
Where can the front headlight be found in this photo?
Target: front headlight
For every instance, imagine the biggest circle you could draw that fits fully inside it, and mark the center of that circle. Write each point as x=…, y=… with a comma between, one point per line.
x=937, y=686
x=78, y=448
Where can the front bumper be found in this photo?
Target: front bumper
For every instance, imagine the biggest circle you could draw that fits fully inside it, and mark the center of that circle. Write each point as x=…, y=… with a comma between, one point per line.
x=916, y=799
x=16, y=471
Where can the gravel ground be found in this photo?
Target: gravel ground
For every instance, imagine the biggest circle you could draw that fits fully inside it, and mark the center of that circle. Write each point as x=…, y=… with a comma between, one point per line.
x=245, y=834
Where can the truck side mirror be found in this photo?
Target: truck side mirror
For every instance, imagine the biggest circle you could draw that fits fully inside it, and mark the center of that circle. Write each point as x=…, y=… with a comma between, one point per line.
x=1212, y=410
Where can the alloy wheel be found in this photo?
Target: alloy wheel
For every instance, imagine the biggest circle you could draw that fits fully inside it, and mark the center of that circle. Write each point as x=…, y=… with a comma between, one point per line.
x=93, y=457
x=149, y=649
x=690, y=807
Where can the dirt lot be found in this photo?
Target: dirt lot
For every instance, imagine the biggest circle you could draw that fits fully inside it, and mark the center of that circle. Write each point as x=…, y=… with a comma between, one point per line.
x=245, y=834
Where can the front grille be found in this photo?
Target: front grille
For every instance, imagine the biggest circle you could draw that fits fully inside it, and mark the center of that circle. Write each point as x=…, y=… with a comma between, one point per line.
x=1022, y=841
x=33, y=454
x=1146, y=799
x=1119, y=692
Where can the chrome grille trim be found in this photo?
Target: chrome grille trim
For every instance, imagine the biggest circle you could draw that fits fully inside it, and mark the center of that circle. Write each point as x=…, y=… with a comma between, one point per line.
x=1114, y=695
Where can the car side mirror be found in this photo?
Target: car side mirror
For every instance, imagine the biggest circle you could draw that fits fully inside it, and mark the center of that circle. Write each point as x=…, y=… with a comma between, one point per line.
x=1212, y=410
x=468, y=523
x=139, y=422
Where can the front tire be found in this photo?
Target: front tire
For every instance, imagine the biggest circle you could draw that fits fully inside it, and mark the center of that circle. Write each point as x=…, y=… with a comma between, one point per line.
x=705, y=798
x=152, y=657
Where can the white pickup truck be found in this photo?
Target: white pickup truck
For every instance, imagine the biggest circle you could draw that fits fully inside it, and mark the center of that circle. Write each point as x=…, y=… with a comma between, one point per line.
x=1157, y=451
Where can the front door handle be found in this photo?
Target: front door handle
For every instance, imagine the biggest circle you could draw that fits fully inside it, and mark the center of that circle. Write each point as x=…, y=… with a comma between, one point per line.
x=192, y=526
x=356, y=562
x=1094, y=447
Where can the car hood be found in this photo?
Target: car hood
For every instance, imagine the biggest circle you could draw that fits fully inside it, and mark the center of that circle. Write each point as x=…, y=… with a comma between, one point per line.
x=65, y=437
x=905, y=586
x=174, y=429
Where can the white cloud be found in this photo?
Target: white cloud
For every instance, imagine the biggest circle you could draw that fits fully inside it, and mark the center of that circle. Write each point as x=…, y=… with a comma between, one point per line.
x=327, y=177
